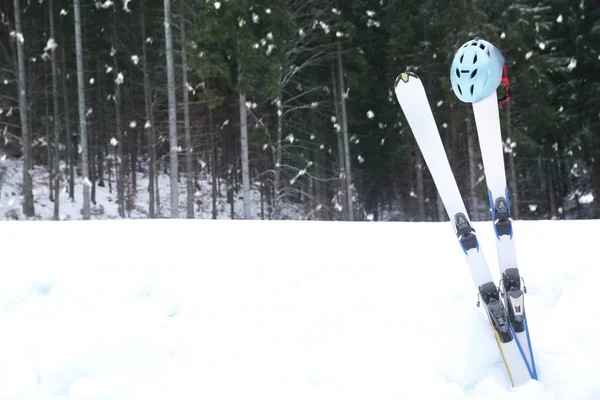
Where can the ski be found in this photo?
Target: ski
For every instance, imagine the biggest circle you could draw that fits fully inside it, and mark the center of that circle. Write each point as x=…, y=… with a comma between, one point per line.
x=487, y=120
x=416, y=108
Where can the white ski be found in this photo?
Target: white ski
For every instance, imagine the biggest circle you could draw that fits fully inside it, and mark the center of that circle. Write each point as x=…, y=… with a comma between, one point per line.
x=487, y=120
x=415, y=105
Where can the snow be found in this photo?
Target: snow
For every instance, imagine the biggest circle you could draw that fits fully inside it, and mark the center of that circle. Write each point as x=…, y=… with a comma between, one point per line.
x=11, y=178
x=178, y=309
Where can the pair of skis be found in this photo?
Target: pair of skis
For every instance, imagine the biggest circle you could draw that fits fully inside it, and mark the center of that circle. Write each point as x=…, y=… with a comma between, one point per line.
x=504, y=307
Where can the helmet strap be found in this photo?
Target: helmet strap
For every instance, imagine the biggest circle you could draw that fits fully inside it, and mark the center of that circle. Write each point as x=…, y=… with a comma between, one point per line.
x=504, y=81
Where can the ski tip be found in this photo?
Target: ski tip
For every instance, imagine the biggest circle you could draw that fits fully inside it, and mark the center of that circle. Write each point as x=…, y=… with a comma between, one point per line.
x=404, y=77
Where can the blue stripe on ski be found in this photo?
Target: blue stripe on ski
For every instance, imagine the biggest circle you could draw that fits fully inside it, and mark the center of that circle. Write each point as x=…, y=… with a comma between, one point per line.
x=493, y=209
x=534, y=376
x=531, y=369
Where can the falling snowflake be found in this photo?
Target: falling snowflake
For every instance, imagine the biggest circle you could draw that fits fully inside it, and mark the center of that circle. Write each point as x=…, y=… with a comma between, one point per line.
x=147, y=125
x=370, y=114
x=92, y=80
x=586, y=198
x=370, y=13
x=572, y=64
x=268, y=11
x=135, y=59
x=559, y=19
x=339, y=34
x=542, y=45
x=120, y=78
x=255, y=18
x=217, y=5
x=132, y=124
x=360, y=159
x=503, y=35
x=529, y=54
x=51, y=45
x=63, y=12
x=113, y=142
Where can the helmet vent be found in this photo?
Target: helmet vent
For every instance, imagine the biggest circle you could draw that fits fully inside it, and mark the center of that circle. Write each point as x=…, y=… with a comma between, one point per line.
x=459, y=90
x=472, y=87
x=474, y=73
x=475, y=59
x=457, y=73
x=461, y=58
x=474, y=44
x=482, y=46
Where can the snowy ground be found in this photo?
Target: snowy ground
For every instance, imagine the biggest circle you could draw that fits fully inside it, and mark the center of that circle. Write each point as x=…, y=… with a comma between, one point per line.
x=190, y=309
x=11, y=178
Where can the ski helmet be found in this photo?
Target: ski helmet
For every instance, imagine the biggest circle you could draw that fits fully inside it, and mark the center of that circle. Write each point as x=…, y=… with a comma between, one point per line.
x=476, y=70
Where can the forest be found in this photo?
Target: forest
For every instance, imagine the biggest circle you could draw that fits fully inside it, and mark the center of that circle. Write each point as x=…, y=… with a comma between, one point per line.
x=294, y=100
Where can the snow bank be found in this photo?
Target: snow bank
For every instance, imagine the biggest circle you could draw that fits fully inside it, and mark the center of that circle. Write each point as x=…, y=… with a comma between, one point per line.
x=140, y=309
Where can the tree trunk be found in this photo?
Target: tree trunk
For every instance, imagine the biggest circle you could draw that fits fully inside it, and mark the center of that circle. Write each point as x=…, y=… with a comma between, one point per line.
x=149, y=124
x=278, y=144
x=186, y=117
x=68, y=134
x=100, y=118
x=551, y=192
x=420, y=186
x=514, y=204
x=120, y=170
x=214, y=169
x=340, y=144
x=56, y=119
x=49, y=150
x=244, y=151
x=473, y=203
x=28, y=208
x=345, y=133
x=173, y=151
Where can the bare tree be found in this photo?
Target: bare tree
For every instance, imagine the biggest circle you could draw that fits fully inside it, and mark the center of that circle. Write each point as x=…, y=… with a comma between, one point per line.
x=186, y=117
x=120, y=172
x=173, y=153
x=82, y=117
x=514, y=206
x=28, y=208
x=340, y=144
x=473, y=203
x=56, y=116
x=343, y=95
x=149, y=125
x=68, y=133
x=420, y=186
x=214, y=168
x=244, y=150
